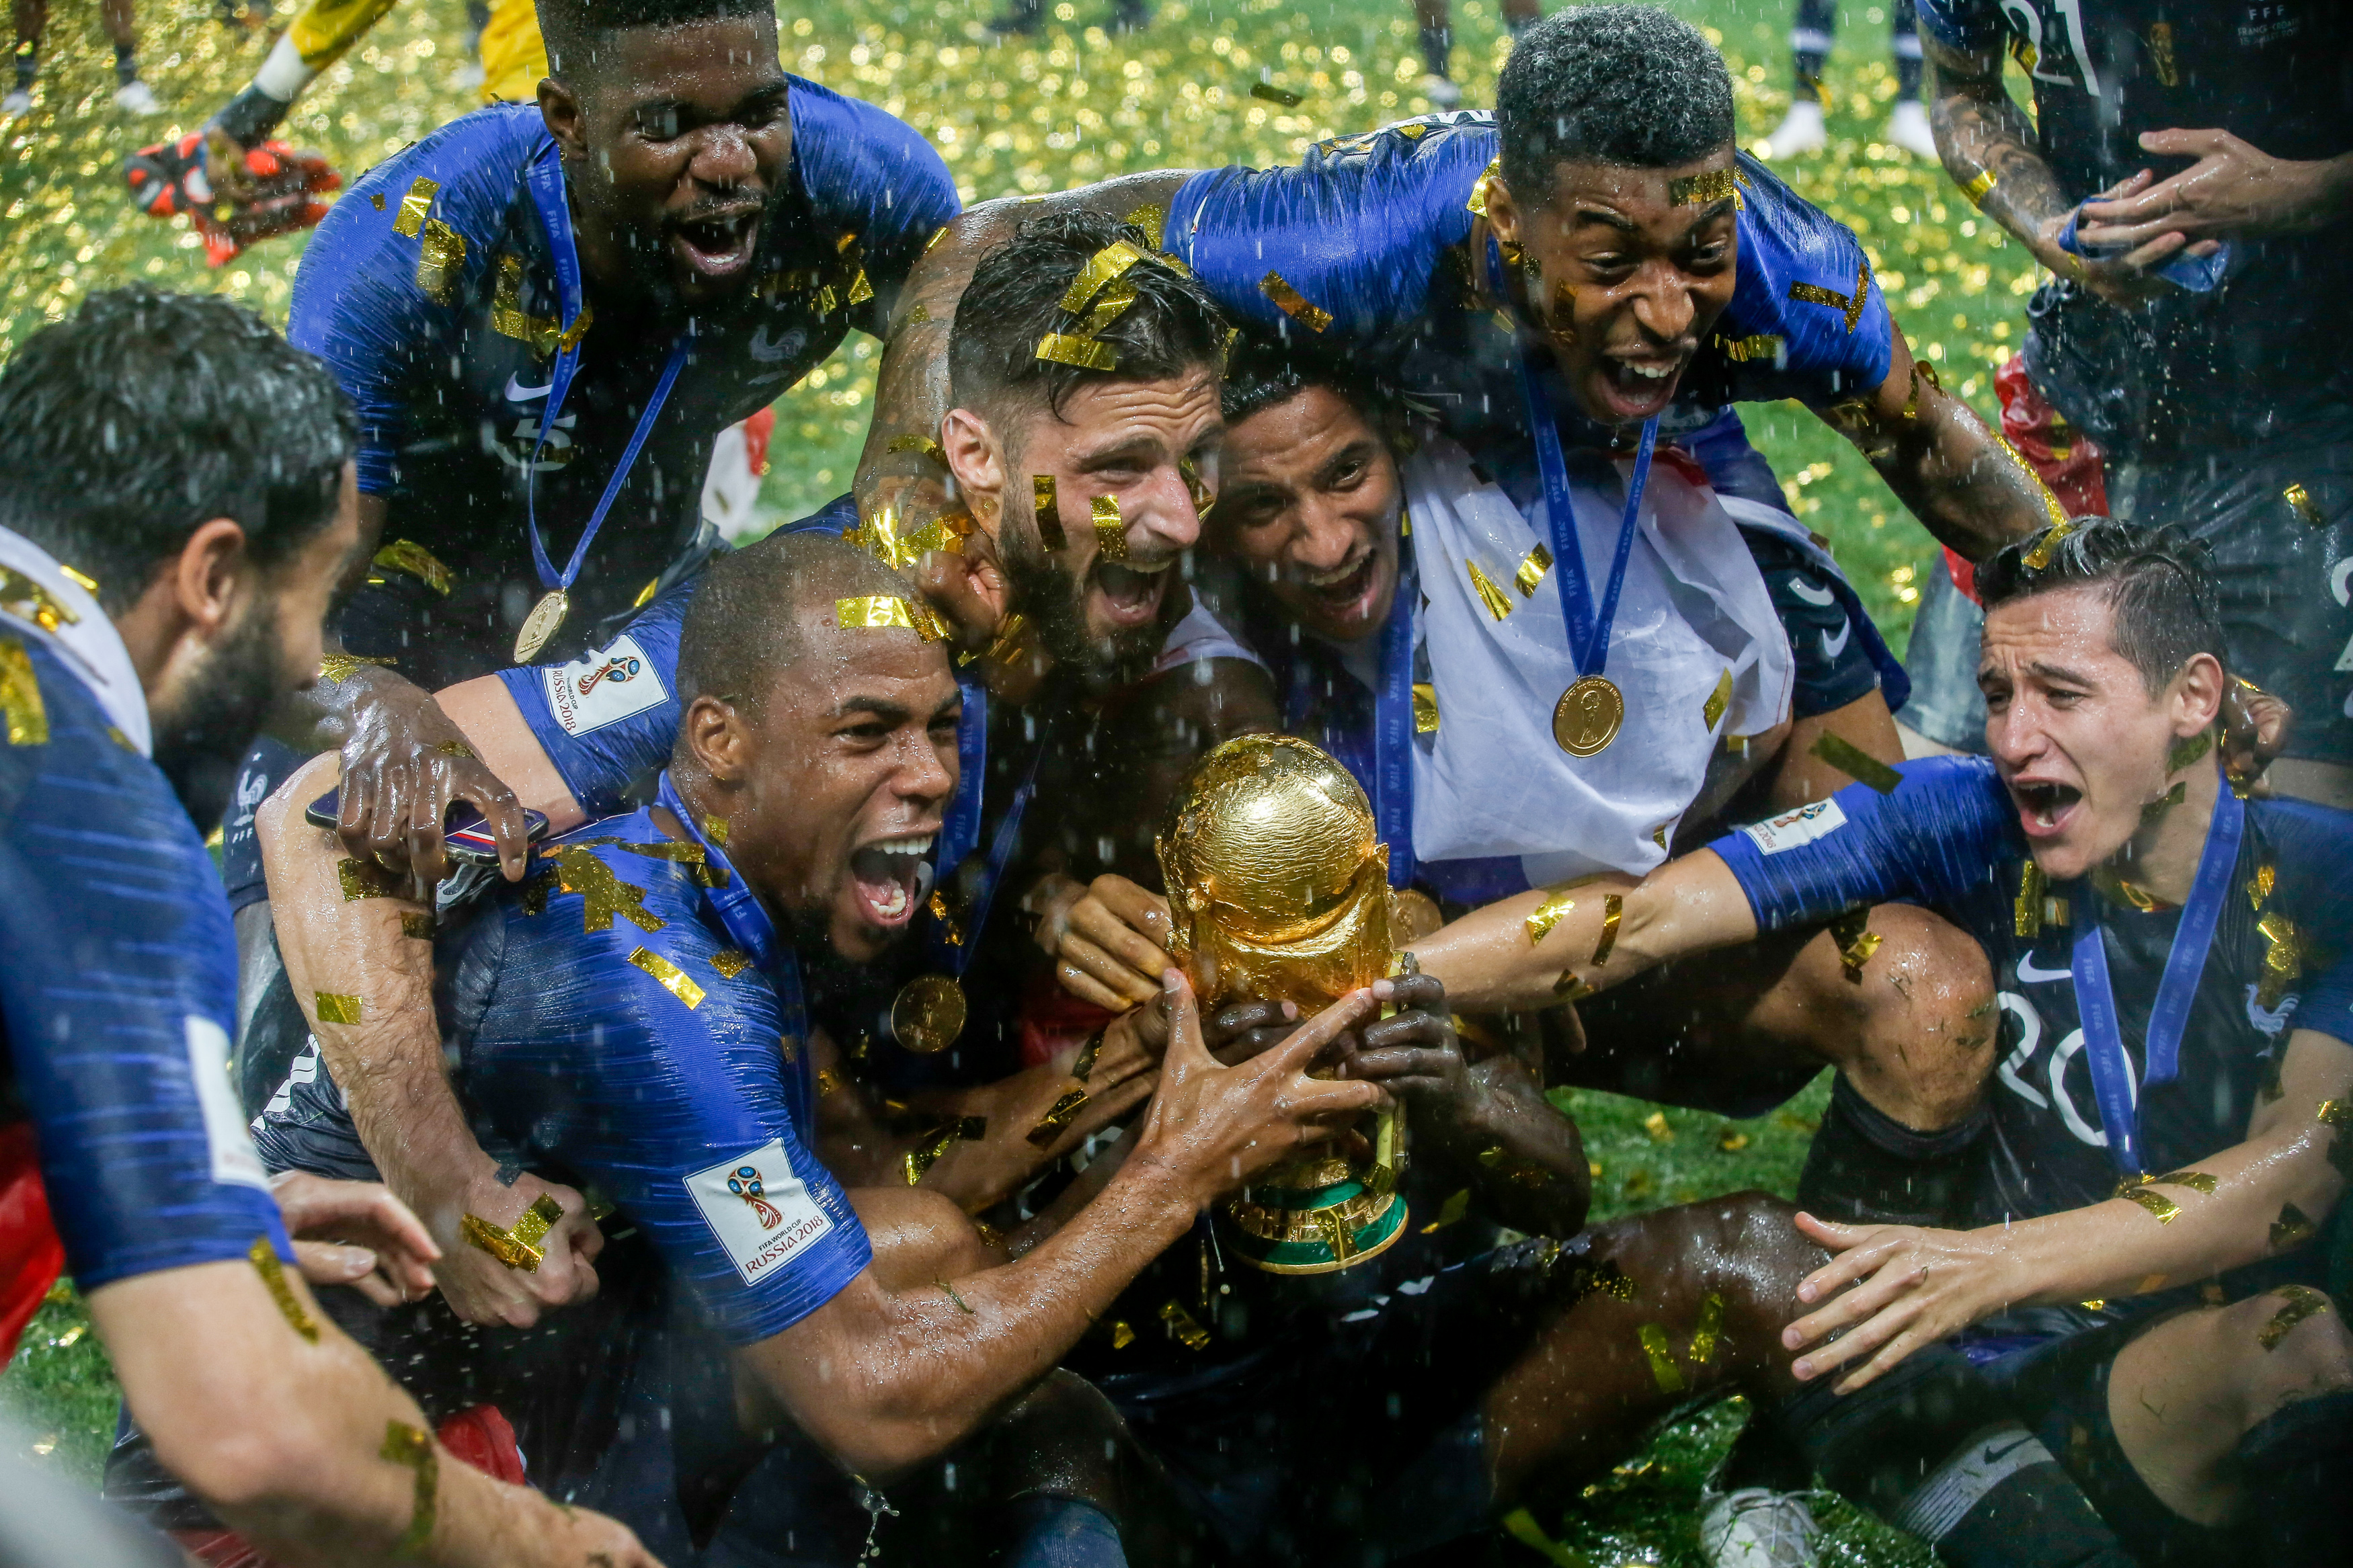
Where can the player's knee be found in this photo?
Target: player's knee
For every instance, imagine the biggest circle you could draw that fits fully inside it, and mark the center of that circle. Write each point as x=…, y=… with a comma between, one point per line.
x=1751, y=1254
x=2287, y=1344
x=918, y=1238
x=1926, y=994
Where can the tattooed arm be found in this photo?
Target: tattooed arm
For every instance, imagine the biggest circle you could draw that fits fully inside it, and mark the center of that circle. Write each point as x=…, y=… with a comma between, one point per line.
x=1982, y=134
x=911, y=397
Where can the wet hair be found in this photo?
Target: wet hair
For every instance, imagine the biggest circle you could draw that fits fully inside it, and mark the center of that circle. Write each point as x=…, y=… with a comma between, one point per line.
x=574, y=28
x=1262, y=373
x=1625, y=85
x=747, y=625
x=1015, y=298
x=146, y=415
x=2154, y=585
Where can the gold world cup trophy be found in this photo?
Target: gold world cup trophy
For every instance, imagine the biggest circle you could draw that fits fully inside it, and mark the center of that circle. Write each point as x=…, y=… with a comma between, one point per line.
x=1277, y=890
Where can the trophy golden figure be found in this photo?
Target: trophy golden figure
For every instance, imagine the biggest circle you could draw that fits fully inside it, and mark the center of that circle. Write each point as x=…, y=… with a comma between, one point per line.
x=1277, y=890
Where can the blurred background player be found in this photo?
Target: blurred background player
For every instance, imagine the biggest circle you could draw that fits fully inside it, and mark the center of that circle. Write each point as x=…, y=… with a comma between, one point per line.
x=131, y=94
x=1810, y=34
x=156, y=598
x=1438, y=42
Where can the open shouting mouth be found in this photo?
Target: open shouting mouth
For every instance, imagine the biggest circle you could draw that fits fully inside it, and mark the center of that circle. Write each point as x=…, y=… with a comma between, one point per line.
x=717, y=242
x=2044, y=806
x=1132, y=590
x=891, y=878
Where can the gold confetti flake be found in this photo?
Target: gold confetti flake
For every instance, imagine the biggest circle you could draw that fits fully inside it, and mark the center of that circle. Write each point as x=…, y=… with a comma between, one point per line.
x=828, y=1080
x=1489, y=594
x=88, y=583
x=1450, y=1212
x=1059, y=1116
x=1425, y=708
x=912, y=441
x=365, y=880
x=2196, y=1180
x=916, y=317
x=1204, y=498
x=1110, y=527
x=416, y=926
x=1762, y=346
x=1488, y=179
x=1711, y=712
x=1049, y=511
x=2165, y=802
x=2301, y=1302
x=28, y=601
x=2300, y=501
x=1548, y=914
x=860, y=291
x=264, y=1258
x=413, y=206
x=2260, y=886
x=1182, y=1326
x=2186, y=751
x=602, y=895
x=1613, y=909
x=2164, y=1208
x=2149, y=1283
x=2293, y=1228
x=1121, y=1335
x=440, y=257
x=1111, y=262
x=1151, y=218
x=2283, y=963
x=668, y=977
x=928, y=1148
x=1267, y=92
x=1108, y=309
x=1856, y=941
x=405, y=555
x=1067, y=348
x=1657, y=1126
x=337, y=667
x=2026, y=912
x=1570, y=988
x=336, y=1007
x=1701, y=190
x=1856, y=763
x=730, y=962
x=1704, y=1336
x=887, y=610
x=1293, y=303
x=27, y=715
x=412, y=1446
x=508, y=318
x=1532, y=570
x=1850, y=305
x=1662, y=1353
x=2039, y=555
x=1980, y=185
x=1731, y=1139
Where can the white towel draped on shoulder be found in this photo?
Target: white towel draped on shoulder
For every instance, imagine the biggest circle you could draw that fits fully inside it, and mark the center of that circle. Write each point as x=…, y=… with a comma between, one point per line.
x=1493, y=781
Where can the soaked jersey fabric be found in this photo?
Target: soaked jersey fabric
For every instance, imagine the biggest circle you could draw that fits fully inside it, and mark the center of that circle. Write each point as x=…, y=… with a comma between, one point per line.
x=2190, y=371
x=1948, y=838
x=119, y=994
x=431, y=293
x=1368, y=238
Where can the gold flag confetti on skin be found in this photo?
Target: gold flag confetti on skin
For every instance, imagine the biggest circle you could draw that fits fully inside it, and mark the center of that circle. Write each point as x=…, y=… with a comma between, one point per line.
x=1701, y=190
x=1662, y=1353
x=2164, y=1208
x=2164, y=803
x=1066, y=348
x=668, y=977
x=1532, y=570
x=366, y=879
x=2196, y=1180
x=1711, y=711
x=1856, y=763
x=413, y=206
x=1570, y=988
x=1049, y=504
x=336, y=1007
x=1711, y=1324
x=911, y=442
x=888, y=610
x=518, y=1249
x=1547, y=915
x=1425, y=708
x=1293, y=303
x=27, y=715
x=928, y=1151
x=2185, y=752
x=1487, y=180
x=337, y=667
x=2293, y=1228
x=409, y=1446
x=2339, y=1113
x=408, y=556
x=2300, y=501
x=1489, y=594
x=1059, y=1116
x=2301, y=1302
x=1856, y=941
x=1182, y=1326
x=1613, y=908
x=1110, y=527
x=1112, y=261
x=264, y=1258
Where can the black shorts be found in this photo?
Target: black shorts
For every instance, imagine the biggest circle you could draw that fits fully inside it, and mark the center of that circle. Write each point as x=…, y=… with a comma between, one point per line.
x=1358, y=1439
x=2282, y=573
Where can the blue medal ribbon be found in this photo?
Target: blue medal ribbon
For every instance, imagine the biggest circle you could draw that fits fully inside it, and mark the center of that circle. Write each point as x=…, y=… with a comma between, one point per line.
x=2185, y=965
x=1393, y=726
x=544, y=178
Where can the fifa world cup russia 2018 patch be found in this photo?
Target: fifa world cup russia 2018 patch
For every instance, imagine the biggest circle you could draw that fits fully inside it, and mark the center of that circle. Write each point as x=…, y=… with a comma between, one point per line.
x=605, y=687
x=762, y=1212
x=1792, y=829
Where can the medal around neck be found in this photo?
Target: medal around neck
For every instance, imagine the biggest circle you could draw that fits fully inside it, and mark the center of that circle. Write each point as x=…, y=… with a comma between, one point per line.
x=542, y=624
x=928, y=1014
x=1277, y=890
x=1587, y=718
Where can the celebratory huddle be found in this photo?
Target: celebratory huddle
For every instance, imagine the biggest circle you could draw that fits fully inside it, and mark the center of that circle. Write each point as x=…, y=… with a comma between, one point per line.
x=1011, y=1019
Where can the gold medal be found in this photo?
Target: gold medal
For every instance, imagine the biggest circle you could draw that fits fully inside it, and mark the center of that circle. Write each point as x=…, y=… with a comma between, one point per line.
x=1586, y=719
x=1413, y=914
x=541, y=624
x=927, y=1014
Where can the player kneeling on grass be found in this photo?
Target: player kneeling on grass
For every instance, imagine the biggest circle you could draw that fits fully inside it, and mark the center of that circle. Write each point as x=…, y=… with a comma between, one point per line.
x=2128, y=1291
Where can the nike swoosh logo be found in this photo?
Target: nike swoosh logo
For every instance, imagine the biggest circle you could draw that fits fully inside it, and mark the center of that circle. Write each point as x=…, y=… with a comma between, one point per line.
x=1994, y=1455
x=518, y=393
x=1810, y=595
x=766, y=352
x=2032, y=974
x=1833, y=646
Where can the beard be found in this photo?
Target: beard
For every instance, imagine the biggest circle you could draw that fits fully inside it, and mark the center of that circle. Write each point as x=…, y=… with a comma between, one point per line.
x=200, y=743
x=1055, y=599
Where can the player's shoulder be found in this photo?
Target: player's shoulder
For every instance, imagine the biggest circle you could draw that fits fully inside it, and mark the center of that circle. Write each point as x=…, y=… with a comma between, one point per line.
x=860, y=163
x=2308, y=847
x=62, y=746
x=1806, y=301
x=475, y=157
